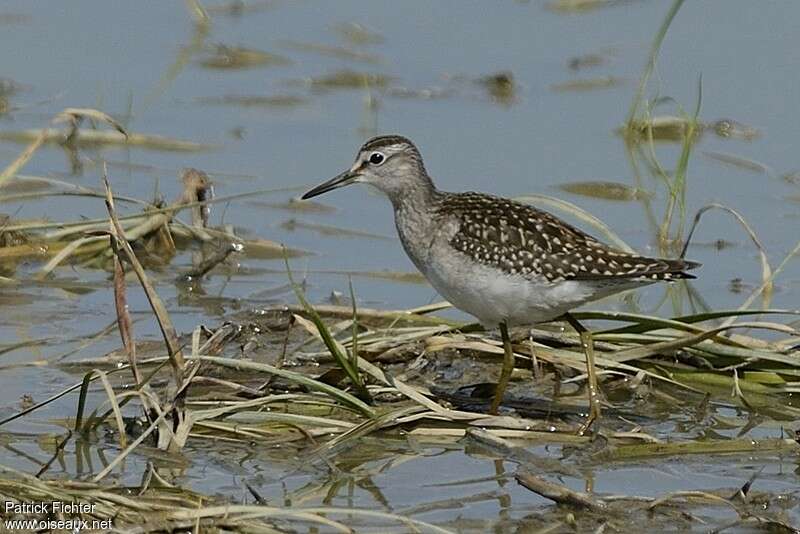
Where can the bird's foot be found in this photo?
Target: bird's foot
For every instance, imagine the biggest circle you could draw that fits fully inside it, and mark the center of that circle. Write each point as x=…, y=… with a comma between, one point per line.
x=593, y=415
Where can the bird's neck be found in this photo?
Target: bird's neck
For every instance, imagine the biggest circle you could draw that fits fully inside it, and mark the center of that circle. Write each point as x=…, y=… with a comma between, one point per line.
x=413, y=214
x=414, y=197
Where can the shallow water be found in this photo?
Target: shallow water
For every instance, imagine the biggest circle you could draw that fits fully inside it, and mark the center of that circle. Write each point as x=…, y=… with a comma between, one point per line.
x=556, y=126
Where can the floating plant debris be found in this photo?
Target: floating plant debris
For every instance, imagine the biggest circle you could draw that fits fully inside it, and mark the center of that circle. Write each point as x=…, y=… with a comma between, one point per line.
x=734, y=129
x=500, y=86
x=237, y=57
x=662, y=128
x=431, y=93
x=269, y=101
x=358, y=34
x=345, y=79
x=580, y=6
x=605, y=190
x=237, y=8
x=334, y=231
x=737, y=161
x=588, y=84
x=338, y=52
x=586, y=61
x=296, y=204
x=87, y=137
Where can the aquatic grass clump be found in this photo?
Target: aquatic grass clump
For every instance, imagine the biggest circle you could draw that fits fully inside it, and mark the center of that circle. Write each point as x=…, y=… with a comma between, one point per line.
x=640, y=137
x=74, y=136
x=156, y=507
x=643, y=345
x=642, y=126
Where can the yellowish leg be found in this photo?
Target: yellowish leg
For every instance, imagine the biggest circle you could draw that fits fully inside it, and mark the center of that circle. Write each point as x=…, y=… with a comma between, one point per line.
x=505, y=372
x=594, y=391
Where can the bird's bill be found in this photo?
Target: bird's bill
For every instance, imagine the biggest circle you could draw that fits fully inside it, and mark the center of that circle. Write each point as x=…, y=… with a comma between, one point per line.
x=346, y=178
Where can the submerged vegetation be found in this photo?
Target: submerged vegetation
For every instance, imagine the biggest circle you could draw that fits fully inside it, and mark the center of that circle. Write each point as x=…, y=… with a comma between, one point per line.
x=347, y=391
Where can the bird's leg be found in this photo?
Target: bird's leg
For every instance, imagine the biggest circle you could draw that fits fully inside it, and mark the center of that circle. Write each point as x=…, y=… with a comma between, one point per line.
x=588, y=348
x=505, y=372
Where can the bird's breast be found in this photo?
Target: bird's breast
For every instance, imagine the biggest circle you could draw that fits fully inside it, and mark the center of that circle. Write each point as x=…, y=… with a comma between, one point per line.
x=419, y=233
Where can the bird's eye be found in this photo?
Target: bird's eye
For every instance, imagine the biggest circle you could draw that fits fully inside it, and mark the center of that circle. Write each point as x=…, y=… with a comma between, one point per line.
x=376, y=158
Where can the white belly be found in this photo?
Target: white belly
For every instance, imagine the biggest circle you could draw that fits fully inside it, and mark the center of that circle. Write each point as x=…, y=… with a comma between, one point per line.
x=493, y=297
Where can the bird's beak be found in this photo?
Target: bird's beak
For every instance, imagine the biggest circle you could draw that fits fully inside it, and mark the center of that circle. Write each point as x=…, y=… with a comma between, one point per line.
x=346, y=178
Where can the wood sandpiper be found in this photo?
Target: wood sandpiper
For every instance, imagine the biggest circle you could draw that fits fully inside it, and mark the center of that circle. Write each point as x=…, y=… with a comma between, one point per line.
x=504, y=262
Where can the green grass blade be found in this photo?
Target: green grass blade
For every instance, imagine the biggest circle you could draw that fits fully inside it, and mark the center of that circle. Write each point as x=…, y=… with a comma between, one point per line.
x=298, y=378
x=651, y=61
x=343, y=360
x=646, y=326
x=354, y=341
x=87, y=379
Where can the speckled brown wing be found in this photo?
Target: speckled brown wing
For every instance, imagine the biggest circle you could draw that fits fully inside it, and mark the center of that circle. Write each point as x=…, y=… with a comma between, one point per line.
x=520, y=239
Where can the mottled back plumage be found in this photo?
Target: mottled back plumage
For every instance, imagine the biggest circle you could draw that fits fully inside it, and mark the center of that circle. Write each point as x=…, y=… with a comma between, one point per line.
x=520, y=239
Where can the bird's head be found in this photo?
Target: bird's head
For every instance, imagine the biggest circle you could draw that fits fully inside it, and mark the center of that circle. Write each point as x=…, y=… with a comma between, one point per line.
x=390, y=163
